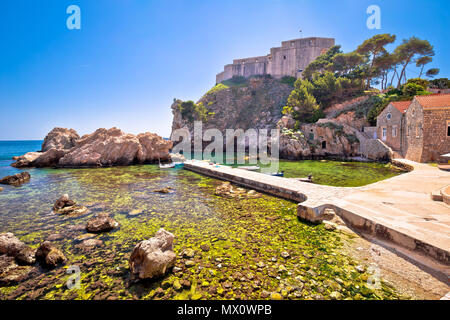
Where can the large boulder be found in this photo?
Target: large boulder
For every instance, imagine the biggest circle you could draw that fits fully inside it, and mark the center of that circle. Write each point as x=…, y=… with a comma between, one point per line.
x=114, y=147
x=49, y=255
x=64, y=148
x=101, y=223
x=17, y=179
x=60, y=139
x=152, y=258
x=49, y=158
x=13, y=247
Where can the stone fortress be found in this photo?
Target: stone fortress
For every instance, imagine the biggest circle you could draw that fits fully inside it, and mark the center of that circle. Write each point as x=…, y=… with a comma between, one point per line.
x=288, y=60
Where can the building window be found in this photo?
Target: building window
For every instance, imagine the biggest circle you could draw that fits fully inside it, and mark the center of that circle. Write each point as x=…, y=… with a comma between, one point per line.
x=389, y=116
x=448, y=128
x=324, y=144
x=384, y=133
x=284, y=57
x=394, y=131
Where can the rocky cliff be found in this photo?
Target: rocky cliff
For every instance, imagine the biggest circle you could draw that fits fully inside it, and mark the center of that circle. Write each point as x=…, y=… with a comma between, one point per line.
x=254, y=104
x=257, y=103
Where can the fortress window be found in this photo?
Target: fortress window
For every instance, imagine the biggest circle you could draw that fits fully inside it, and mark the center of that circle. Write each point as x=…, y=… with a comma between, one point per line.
x=284, y=57
x=389, y=116
x=448, y=128
x=324, y=144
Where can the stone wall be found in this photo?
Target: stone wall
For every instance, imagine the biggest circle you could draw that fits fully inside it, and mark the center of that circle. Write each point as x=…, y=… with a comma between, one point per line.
x=436, y=142
x=414, y=132
x=288, y=60
x=393, y=125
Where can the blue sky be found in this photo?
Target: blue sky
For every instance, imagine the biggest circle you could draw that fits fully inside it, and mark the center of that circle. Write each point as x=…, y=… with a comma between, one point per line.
x=132, y=57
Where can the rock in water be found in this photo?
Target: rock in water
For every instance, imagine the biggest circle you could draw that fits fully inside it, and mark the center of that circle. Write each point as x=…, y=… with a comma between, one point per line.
x=63, y=202
x=13, y=247
x=101, y=223
x=64, y=148
x=152, y=258
x=50, y=255
x=17, y=179
x=114, y=147
x=26, y=160
x=64, y=205
x=11, y=273
x=60, y=139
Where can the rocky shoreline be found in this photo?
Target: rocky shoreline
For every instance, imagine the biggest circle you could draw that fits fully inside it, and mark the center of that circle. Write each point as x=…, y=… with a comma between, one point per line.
x=63, y=148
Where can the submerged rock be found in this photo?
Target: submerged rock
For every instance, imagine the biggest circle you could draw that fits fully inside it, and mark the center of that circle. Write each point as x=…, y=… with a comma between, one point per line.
x=154, y=257
x=227, y=190
x=17, y=179
x=50, y=255
x=163, y=190
x=11, y=273
x=64, y=205
x=13, y=247
x=89, y=244
x=101, y=223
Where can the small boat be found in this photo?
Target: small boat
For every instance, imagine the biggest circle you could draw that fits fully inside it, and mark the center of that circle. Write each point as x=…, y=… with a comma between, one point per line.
x=309, y=179
x=167, y=166
x=275, y=174
x=250, y=168
x=179, y=164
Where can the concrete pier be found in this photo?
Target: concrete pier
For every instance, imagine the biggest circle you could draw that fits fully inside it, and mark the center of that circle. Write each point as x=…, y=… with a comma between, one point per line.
x=398, y=211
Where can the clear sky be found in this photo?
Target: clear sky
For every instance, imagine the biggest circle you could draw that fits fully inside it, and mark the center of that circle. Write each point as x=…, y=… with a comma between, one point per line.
x=131, y=58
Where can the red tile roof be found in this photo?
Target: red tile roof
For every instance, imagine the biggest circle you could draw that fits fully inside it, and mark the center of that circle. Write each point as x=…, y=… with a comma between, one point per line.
x=401, y=105
x=438, y=100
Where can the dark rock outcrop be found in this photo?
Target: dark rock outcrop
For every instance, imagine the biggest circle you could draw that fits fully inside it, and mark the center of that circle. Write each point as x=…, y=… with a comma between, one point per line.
x=154, y=257
x=64, y=205
x=321, y=139
x=49, y=255
x=101, y=223
x=13, y=247
x=17, y=179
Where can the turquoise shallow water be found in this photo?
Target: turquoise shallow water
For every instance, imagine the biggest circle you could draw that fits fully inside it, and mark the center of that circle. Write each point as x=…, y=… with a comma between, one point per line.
x=9, y=149
x=245, y=234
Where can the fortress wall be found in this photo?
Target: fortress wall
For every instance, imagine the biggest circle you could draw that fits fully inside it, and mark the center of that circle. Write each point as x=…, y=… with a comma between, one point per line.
x=287, y=60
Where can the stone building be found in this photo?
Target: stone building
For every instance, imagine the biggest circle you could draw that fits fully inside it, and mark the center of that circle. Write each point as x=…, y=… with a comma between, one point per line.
x=417, y=130
x=390, y=124
x=427, y=128
x=288, y=60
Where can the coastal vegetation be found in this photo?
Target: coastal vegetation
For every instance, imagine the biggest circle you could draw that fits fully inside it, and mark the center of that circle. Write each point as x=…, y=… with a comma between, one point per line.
x=336, y=76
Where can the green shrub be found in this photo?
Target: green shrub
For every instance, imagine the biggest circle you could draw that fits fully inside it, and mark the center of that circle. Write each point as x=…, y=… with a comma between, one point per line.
x=288, y=80
x=191, y=111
